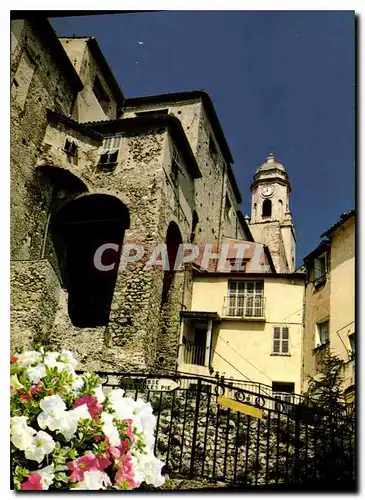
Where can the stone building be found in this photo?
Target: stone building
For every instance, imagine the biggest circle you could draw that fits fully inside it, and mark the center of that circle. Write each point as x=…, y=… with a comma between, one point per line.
x=329, y=315
x=93, y=170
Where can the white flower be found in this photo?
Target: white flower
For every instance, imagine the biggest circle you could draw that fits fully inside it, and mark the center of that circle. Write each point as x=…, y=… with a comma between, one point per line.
x=147, y=468
x=35, y=373
x=55, y=417
x=109, y=429
x=51, y=360
x=53, y=408
x=28, y=358
x=77, y=384
x=42, y=445
x=21, y=434
x=99, y=394
x=94, y=480
x=68, y=358
x=47, y=476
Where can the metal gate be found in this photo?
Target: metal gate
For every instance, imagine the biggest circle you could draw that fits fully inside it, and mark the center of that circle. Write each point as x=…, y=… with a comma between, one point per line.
x=208, y=428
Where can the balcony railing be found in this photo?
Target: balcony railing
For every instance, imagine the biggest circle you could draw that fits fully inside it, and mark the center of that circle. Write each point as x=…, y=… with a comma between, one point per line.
x=244, y=306
x=193, y=354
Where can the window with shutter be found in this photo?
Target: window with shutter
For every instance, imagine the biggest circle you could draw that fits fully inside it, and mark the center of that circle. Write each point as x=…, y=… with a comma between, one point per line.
x=109, y=154
x=281, y=340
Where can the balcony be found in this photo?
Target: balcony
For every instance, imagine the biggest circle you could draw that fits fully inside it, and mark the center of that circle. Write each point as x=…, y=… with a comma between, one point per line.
x=193, y=354
x=245, y=306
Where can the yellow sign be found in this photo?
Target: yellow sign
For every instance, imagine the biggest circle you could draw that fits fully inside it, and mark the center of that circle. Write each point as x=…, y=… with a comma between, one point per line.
x=241, y=407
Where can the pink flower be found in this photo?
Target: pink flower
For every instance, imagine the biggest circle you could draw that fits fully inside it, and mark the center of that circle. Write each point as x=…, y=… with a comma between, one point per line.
x=93, y=405
x=33, y=482
x=35, y=389
x=125, y=471
x=88, y=462
x=26, y=397
x=13, y=359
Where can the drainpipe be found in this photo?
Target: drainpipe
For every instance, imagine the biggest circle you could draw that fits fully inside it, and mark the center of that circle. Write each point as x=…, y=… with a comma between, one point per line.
x=208, y=343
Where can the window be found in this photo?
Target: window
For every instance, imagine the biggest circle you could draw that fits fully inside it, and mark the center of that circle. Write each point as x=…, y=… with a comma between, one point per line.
x=109, y=155
x=281, y=340
x=245, y=299
x=70, y=146
x=152, y=112
x=213, y=149
x=227, y=207
x=100, y=93
x=320, y=269
x=175, y=164
x=322, y=333
x=266, y=208
x=195, y=347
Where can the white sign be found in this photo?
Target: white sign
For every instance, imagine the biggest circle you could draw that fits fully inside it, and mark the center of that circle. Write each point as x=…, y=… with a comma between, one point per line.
x=149, y=384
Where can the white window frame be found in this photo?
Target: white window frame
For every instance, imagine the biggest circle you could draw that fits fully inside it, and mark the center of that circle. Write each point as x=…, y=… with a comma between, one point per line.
x=245, y=299
x=281, y=341
x=319, y=341
x=111, y=147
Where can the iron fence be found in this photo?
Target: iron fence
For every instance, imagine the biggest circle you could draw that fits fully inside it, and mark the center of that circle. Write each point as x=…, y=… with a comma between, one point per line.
x=248, y=438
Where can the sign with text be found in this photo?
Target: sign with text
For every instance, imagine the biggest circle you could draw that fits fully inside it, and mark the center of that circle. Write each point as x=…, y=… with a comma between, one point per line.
x=149, y=384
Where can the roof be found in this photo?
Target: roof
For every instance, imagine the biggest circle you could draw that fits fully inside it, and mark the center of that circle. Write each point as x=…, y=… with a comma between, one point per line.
x=186, y=96
x=344, y=217
x=200, y=315
x=49, y=38
x=153, y=121
x=55, y=117
x=322, y=247
x=270, y=164
x=104, y=66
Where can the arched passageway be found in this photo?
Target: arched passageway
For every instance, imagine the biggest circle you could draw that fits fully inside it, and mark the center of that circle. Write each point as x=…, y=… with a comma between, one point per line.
x=87, y=234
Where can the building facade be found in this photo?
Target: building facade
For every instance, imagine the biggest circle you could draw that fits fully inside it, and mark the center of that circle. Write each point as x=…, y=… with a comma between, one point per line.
x=329, y=316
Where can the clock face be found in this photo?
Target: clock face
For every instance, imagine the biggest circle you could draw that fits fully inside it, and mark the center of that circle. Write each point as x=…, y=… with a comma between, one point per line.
x=267, y=191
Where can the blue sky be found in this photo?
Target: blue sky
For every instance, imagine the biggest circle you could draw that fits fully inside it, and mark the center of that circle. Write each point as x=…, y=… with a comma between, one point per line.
x=281, y=82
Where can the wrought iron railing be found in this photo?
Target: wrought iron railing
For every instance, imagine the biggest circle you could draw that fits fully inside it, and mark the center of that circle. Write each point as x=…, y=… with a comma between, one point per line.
x=193, y=354
x=198, y=435
x=244, y=306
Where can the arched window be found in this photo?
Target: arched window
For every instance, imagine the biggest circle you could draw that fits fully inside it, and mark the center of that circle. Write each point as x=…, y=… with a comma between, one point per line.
x=281, y=210
x=266, y=208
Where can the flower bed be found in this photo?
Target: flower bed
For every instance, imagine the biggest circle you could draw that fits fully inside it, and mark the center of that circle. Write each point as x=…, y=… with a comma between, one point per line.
x=66, y=433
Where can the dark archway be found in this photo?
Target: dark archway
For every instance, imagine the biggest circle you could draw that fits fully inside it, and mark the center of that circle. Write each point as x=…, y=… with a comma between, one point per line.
x=266, y=208
x=173, y=240
x=88, y=233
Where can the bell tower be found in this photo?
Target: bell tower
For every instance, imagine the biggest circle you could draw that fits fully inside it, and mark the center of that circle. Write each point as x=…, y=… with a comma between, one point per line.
x=271, y=221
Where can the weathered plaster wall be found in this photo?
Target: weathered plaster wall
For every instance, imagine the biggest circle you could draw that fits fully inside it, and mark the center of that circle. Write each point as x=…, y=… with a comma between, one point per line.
x=269, y=233
x=342, y=306
x=317, y=310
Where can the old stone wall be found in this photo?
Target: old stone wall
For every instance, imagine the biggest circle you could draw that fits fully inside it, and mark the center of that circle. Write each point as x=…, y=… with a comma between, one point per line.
x=35, y=292
x=37, y=84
